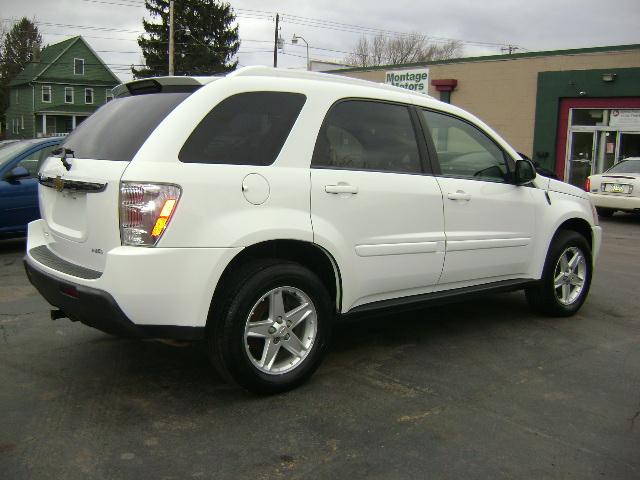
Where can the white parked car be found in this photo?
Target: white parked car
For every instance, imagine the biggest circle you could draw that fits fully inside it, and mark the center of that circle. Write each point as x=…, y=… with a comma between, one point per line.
x=253, y=210
x=617, y=188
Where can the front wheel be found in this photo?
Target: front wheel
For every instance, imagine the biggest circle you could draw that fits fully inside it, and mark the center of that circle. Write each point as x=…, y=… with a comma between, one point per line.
x=566, y=276
x=273, y=329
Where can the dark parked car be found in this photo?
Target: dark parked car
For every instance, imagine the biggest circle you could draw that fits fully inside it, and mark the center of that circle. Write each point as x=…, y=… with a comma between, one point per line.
x=19, y=163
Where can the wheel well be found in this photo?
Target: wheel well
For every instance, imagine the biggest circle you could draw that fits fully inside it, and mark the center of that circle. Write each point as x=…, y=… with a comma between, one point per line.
x=312, y=256
x=578, y=225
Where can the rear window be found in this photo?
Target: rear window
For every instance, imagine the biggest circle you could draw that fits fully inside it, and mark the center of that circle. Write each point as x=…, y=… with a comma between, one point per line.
x=117, y=130
x=626, y=166
x=244, y=129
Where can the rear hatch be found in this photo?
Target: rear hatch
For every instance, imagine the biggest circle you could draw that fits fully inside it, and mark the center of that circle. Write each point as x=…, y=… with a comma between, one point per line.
x=80, y=187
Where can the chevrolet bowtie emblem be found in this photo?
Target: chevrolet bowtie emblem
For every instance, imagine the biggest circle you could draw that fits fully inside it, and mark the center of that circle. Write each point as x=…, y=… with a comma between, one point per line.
x=58, y=183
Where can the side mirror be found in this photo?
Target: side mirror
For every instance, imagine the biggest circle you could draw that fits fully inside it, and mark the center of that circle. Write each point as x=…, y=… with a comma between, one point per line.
x=525, y=172
x=17, y=173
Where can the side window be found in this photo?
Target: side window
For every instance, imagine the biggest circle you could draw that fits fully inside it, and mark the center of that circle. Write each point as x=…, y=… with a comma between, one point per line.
x=244, y=129
x=367, y=135
x=465, y=151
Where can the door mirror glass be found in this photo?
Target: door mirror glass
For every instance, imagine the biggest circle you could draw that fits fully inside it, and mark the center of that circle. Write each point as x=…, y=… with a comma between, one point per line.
x=525, y=172
x=17, y=173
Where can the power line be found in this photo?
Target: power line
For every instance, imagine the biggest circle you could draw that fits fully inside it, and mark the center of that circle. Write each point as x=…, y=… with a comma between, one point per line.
x=321, y=23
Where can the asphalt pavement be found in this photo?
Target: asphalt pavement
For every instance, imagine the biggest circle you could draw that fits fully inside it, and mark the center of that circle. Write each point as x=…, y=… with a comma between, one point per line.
x=481, y=389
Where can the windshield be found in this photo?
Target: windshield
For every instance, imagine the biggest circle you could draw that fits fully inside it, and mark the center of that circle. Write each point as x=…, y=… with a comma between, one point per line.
x=10, y=150
x=626, y=166
x=117, y=130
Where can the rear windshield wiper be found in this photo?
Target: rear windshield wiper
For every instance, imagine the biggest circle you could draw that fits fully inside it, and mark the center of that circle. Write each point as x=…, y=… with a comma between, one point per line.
x=64, y=151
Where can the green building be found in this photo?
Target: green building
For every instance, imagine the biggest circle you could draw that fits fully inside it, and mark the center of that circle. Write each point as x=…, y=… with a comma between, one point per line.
x=54, y=94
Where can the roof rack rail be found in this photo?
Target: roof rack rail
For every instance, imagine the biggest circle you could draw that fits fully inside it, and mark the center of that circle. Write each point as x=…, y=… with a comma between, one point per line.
x=261, y=71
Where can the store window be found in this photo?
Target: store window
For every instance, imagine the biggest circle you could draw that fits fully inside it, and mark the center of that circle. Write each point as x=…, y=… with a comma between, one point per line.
x=599, y=139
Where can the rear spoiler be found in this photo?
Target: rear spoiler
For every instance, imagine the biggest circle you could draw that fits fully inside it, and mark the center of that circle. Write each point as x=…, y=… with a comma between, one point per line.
x=161, y=85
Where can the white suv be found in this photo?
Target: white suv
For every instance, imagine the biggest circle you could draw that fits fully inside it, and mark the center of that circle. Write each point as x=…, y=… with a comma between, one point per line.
x=255, y=209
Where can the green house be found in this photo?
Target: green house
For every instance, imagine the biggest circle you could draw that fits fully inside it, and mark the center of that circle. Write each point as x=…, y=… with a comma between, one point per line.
x=54, y=94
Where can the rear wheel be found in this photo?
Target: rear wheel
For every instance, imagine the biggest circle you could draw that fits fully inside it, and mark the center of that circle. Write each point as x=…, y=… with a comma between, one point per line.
x=271, y=332
x=566, y=277
x=605, y=212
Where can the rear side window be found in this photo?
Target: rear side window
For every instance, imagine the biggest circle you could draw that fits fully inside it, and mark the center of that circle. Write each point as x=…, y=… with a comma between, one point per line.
x=117, y=130
x=367, y=135
x=244, y=129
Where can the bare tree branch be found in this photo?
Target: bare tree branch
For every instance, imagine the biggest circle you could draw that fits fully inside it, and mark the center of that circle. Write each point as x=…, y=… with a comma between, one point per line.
x=412, y=48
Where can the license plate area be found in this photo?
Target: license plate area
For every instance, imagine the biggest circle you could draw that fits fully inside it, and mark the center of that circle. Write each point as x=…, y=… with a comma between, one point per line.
x=623, y=188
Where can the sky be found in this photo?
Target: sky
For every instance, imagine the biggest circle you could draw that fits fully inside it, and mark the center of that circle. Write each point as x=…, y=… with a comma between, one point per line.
x=332, y=27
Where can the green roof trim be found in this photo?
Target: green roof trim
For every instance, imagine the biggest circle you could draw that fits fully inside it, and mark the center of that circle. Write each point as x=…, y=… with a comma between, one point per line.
x=486, y=58
x=77, y=83
x=48, y=56
x=68, y=108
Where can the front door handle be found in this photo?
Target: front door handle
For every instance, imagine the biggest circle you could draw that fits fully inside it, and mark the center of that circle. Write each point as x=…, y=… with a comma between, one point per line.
x=459, y=195
x=341, y=188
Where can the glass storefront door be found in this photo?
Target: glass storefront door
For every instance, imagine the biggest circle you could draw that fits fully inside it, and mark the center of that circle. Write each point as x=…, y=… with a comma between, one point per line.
x=598, y=139
x=580, y=157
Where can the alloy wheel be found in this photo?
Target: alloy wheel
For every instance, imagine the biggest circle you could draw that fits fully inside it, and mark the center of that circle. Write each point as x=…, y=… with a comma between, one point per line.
x=280, y=330
x=569, y=275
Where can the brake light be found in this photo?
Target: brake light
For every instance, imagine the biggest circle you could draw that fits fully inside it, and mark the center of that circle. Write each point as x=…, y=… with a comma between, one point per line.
x=145, y=211
x=587, y=185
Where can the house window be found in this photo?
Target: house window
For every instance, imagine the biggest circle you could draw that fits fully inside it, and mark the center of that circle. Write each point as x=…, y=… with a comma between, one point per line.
x=78, y=66
x=108, y=95
x=68, y=94
x=88, y=95
x=46, y=93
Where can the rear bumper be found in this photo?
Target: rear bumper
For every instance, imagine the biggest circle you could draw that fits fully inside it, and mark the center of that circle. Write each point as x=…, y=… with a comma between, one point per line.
x=98, y=309
x=149, y=288
x=617, y=202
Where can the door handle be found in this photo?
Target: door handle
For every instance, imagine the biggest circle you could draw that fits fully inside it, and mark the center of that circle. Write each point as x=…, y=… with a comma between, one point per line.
x=459, y=195
x=341, y=188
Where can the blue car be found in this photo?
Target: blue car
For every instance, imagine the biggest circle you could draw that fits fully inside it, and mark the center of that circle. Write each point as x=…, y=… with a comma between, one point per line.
x=19, y=164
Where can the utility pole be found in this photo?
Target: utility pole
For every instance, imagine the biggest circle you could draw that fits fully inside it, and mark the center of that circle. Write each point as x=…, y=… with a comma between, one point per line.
x=275, y=43
x=171, y=47
x=511, y=49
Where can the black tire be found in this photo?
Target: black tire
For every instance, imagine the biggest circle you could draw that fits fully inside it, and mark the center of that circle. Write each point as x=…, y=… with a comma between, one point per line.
x=542, y=296
x=227, y=320
x=605, y=212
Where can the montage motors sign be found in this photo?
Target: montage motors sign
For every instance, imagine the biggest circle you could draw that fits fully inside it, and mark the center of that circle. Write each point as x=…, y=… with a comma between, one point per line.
x=416, y=80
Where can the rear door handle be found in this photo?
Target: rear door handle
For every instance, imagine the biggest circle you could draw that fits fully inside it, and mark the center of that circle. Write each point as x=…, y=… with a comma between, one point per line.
x=459, y=195
x=341, y=188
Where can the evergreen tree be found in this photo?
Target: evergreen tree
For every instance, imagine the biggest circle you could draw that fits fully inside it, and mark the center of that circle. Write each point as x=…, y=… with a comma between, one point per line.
x=21, y=45
x=205, y=41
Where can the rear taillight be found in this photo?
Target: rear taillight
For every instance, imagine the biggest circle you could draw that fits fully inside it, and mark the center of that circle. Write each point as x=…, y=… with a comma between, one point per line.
x=145, y=211
x=587, y=185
